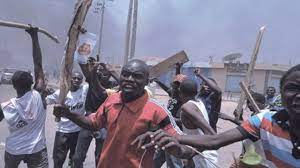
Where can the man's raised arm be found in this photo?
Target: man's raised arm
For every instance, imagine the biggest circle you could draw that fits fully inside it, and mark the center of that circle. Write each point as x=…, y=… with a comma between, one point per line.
x=210, y=83
x=40, y=84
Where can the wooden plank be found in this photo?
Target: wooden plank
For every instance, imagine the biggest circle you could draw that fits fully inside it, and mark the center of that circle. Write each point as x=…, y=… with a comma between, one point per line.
x=249, y=97
x=73, y=34
x=250, y=70
x=168, y=64
x=26, y=26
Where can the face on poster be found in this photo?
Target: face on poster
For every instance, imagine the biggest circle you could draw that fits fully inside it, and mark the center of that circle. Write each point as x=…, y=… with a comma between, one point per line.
x=86, y=44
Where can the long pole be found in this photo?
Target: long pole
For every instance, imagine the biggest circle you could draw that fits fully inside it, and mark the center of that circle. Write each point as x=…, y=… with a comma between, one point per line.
x=128, y=32
x=134, y=26
x=250, y=70
x=101, y=31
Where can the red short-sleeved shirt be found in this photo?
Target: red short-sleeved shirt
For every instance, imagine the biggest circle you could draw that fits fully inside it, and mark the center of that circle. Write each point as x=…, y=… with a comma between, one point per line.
x=124, y=122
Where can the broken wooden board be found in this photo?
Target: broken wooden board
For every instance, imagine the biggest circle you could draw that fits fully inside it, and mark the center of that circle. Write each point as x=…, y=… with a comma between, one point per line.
x=167, y=64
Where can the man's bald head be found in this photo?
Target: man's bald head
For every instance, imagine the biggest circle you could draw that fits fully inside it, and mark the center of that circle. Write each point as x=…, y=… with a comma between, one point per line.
x=138, y=65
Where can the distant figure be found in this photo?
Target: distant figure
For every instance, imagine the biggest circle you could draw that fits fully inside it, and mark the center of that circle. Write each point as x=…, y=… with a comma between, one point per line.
x=26, y=115
x=270, y=95
x=67, y=132
x=211, y=95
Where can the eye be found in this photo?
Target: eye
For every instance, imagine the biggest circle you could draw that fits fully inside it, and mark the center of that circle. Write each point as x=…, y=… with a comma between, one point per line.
x=138, y=76
x=292, y=88
x=125, y=73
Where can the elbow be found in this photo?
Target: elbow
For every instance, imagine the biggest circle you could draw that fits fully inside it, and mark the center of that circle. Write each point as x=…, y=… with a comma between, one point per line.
x=214, y=143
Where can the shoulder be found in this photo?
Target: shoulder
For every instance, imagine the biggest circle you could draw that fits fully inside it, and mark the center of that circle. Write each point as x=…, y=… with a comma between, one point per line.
x=85, y=86
x=155, y=105
x=157, y=108
x=6, y=105
x=113, y=99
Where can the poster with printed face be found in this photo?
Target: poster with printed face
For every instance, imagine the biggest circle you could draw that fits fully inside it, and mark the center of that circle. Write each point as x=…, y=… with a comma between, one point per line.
x=86, y=44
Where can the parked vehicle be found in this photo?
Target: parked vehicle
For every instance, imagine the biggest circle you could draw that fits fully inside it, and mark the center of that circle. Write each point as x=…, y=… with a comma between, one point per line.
x=6, y=75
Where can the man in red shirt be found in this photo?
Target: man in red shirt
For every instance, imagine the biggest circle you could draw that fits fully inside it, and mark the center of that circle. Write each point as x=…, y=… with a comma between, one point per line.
x=126, y=115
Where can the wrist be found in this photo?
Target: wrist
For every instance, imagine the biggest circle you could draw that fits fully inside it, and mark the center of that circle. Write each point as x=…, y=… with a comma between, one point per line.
x=186, y=152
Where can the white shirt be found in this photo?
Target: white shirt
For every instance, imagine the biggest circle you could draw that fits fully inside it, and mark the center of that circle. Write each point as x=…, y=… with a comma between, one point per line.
x=210, y=157
x=76, y=103
x=26, y=118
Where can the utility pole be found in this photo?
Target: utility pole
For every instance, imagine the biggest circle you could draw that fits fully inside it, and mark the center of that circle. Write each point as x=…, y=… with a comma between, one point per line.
x=128, y=32
x=102, y=10
x=134, y=25
x=131, y=28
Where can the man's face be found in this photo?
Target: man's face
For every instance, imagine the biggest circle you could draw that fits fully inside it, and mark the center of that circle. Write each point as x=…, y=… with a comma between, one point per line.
x=84, y=49
x=133, y=79
x=290, y=93
x=76, y=81
x=205, y=90
x=270, y=92
x=102, y=73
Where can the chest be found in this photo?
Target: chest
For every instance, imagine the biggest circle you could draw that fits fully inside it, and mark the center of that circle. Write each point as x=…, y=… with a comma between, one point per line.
x=121, y=120
x=75, y=101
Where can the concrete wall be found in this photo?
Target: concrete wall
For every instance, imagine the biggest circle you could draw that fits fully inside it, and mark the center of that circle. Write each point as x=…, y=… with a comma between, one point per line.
x=219, y=75
x=259, y=77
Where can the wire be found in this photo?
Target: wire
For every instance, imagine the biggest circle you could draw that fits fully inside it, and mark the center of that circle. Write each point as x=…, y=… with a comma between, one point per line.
x=140, y=165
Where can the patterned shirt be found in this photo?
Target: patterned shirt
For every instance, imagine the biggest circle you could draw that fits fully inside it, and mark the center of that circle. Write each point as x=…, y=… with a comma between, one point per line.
x=275, y=137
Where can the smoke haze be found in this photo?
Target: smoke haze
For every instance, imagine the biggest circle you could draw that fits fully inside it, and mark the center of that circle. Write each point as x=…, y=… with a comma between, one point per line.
x=202, y=28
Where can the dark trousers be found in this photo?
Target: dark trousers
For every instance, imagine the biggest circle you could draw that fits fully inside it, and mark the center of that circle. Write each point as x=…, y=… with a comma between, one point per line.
x=84, y=140
x=63, y=143
x=35, y=160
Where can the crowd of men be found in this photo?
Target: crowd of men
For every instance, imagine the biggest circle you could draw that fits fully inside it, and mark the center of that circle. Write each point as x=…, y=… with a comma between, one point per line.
x=133, y=130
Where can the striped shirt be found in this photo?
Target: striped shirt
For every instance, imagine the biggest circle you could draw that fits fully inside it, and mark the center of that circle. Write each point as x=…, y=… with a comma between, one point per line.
x=275, y=139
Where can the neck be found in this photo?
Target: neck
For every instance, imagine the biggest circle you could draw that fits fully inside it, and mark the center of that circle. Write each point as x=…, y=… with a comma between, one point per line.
x=74, y=89
x=21, y=93
x=186, y=99
x=128, y=97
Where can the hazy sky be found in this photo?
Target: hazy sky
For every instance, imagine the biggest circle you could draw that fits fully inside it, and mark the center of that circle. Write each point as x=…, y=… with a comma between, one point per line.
x=202, y=28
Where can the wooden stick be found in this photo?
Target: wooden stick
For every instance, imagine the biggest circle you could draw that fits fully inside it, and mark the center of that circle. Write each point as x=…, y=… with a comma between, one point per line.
x=25, y=26
x=249, y=97
x=73, y=34
x=250, y=70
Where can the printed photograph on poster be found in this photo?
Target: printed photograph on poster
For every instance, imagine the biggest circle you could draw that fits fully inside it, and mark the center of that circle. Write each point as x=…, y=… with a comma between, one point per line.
x=86, y=44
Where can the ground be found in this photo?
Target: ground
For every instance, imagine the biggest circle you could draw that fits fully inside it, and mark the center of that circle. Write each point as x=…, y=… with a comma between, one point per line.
x=225, y=154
